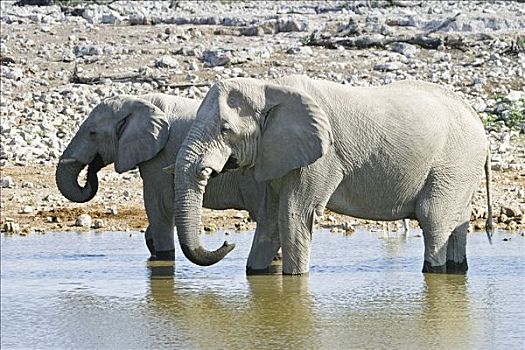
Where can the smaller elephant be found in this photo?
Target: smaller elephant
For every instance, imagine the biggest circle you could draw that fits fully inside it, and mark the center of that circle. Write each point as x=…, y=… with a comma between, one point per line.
x=147, y=131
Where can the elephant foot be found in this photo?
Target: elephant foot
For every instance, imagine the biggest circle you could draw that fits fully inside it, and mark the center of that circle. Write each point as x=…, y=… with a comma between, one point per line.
x=166, y=255
x=161, y=269
x=270, y=270
x=457, y=268
x=428, y=268
x=305, y=274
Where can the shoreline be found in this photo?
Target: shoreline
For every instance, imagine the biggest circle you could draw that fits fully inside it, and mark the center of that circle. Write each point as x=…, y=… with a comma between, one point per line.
x=32, y=203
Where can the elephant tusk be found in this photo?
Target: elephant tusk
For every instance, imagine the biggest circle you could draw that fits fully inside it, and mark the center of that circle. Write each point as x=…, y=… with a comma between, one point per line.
x=205, y=173
x=170, y=169
x=67, y=161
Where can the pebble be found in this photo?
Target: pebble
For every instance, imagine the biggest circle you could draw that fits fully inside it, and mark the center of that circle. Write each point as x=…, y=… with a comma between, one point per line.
x=405, y=49
x=98, y=223
x=239, y=215
x=26, y=209
x=241, y=226
x=348, y=227
x=27, y=184
x=210, y=228
x=6, y=182
x=214, y=58
x=81, y=50
x=512, y=211
x=388, y=66
x=11, y=227
x=503, y=218
x=167, y=62
x=83, y=220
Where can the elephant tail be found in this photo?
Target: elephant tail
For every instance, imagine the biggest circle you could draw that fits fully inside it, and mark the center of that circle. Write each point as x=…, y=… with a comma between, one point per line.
x=489, y=227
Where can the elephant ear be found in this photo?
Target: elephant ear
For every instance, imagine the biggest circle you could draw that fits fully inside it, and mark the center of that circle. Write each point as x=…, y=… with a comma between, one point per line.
x=296, y=132
x=141, y=134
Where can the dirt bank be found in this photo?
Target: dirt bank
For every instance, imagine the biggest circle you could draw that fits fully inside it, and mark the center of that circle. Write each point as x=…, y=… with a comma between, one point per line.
x=33, y=203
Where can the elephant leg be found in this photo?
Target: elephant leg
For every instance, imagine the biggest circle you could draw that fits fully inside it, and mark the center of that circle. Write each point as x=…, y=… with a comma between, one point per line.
x=296, y=240
x=434, y=219
x=159, y=209
x=435, y=250
x=304, y=193
x=457, y=246
x=266, y=242
x=163, y=239
x=444, y=220
x=148, y=236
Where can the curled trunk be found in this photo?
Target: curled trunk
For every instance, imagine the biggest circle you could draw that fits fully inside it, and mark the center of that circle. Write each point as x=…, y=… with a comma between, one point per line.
x=66, y=179
x=189, y=190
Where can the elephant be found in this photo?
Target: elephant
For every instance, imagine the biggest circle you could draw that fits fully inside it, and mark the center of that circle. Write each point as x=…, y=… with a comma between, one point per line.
x=410, y=149
x=146, y=131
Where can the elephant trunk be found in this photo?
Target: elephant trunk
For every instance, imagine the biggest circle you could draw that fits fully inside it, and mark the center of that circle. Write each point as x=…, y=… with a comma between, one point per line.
x=66, y=179
x=189, y=191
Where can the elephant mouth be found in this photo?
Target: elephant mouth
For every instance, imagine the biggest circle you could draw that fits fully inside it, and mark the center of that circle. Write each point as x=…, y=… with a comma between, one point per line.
x=231, y=164
x=95, y=165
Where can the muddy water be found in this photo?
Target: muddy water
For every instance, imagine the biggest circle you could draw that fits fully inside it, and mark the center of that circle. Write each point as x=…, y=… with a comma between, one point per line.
x=97, y=291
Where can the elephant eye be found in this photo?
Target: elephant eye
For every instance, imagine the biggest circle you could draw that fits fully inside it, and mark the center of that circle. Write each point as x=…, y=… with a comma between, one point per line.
x=92, y=133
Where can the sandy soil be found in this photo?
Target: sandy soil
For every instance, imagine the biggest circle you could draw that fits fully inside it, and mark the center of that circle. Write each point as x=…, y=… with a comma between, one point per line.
x=34, y=203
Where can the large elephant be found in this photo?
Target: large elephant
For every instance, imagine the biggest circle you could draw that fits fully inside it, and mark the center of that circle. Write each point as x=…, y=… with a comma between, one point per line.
x=406, y=150
x=146, y=131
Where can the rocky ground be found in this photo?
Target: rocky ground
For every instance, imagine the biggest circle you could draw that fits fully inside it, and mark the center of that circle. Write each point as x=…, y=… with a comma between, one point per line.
x=59, y=61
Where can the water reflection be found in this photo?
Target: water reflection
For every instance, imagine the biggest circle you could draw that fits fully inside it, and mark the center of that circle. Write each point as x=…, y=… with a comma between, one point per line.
x=263, y=313
x=446, y=316
x=281, y=308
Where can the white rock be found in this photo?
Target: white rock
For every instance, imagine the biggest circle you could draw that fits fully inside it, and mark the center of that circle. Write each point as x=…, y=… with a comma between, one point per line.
x=111, y=18
x=239, y=215
x=6, y=182
x=83, y=220
x=27, y=209
x=83, y=49
x=388, y=66
x=214, y=58
x=166, y=62
x=98, y=223
x=11, y=73
x=405, y=49
x=515, y=95
x=292, y=25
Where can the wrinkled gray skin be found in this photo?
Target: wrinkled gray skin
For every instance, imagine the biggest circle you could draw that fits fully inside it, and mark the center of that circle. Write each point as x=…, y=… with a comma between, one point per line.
x=147, y=131
x=406, y=150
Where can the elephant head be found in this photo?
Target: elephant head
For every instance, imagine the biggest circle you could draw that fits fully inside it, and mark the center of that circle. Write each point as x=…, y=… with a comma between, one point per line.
x=243, y=123
x=125, y=130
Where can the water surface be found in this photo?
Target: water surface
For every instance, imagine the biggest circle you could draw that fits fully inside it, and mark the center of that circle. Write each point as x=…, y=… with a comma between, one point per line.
x=98, y=291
